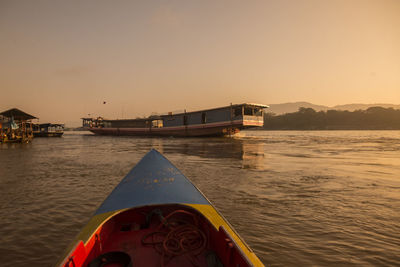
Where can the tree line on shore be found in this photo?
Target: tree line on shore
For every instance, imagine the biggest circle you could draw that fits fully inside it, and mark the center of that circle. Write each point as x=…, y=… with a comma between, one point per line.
x=374, y=118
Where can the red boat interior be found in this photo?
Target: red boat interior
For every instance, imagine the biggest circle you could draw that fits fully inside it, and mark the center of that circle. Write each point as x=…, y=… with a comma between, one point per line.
x=165, y=235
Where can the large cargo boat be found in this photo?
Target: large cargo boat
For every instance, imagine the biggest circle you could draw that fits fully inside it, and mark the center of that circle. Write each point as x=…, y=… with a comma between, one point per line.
x=220, y=121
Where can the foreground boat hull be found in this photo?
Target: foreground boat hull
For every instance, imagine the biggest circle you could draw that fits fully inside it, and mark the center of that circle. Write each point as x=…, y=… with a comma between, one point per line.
x=156, y=217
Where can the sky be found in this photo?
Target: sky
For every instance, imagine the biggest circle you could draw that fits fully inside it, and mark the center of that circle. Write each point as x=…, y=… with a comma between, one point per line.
x=61, y=60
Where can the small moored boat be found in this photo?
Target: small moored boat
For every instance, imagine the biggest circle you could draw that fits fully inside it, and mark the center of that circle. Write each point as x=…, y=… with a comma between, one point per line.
x=48, y=130
x=157, y=217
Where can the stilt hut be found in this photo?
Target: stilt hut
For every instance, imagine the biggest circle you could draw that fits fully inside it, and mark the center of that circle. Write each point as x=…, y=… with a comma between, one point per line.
x=15, y=126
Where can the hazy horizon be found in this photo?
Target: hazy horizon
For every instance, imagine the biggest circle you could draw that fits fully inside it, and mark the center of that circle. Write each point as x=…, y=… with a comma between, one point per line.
x=62, y=60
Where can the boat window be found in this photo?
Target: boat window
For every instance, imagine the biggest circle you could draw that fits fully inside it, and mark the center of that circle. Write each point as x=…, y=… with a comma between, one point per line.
x=157, y=123
x=248, y=111
x=238, y=111
x=258, y=111
x=203, y=117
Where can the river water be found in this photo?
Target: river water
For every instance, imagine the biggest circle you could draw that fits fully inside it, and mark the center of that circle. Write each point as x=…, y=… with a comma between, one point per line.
x=298, y=198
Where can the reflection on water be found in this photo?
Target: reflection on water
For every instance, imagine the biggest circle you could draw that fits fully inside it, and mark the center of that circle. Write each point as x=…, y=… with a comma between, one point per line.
x=298, y=198
x=251, y=154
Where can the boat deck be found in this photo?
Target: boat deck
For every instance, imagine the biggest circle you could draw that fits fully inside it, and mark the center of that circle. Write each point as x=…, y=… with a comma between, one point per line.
x=130, y=242
x=162, y=236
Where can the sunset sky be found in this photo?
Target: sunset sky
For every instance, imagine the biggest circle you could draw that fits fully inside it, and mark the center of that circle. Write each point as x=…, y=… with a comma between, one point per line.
x=59, y=60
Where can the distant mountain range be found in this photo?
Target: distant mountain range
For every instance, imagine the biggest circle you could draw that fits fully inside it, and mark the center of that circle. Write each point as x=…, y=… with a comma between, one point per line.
x=293, y=107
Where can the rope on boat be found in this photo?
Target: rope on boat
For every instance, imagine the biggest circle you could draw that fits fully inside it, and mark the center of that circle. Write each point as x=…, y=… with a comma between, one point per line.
x=174, y=237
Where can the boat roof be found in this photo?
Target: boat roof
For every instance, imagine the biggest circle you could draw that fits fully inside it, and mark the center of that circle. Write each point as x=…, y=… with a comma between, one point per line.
x=254, y=104
x=208, y=109
x=17, y=114
x=155, y=117
x=154, y=180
